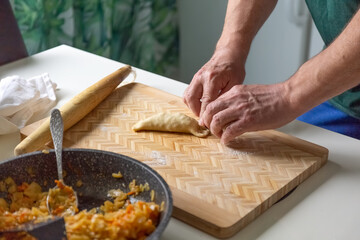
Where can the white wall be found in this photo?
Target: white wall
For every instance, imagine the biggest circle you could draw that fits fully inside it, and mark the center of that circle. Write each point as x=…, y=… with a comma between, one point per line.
x=316, y=42
x=201, y=24
x=280, y=47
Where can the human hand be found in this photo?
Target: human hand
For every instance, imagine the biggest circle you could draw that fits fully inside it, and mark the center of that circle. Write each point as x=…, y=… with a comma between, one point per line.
x=249, y=108
x=217, y=76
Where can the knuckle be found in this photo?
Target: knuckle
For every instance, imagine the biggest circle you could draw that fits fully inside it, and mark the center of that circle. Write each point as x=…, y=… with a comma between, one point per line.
x=197, y=76
x=187, y=90
x=186, y=93
x=212, y=75
x=210, y=108
x=233, y=131
x=205, y=98
x=216, y=120
x=189, y=93
x=215, y=130
x=227, y=137
x=200, y=75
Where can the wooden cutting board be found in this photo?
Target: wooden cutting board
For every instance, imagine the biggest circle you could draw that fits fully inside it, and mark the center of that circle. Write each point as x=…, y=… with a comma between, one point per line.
x=218, y=189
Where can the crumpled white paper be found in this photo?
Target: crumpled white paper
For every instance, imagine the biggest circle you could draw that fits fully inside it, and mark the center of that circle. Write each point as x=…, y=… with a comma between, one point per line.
x=21, y=99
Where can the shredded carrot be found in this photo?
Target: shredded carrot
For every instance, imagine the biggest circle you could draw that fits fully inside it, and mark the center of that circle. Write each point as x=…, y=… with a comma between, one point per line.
x=60, y=184
x=22, y=187
x=120, y=218
x=131, y=193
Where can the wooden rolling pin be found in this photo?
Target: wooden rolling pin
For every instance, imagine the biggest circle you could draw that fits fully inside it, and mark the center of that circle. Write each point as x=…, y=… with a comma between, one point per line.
x=74, y=110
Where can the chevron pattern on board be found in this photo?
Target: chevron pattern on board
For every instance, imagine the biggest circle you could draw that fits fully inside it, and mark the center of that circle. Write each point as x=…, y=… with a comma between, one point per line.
x=252, y=173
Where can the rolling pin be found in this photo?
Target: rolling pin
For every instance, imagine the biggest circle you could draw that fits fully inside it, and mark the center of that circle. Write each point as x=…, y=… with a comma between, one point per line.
x=74, y=110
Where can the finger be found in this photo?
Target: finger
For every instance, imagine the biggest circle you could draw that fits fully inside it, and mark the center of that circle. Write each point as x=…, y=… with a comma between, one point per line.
x=221, y=120
x=233, y=130
x=186, y=95
x=226, y=88
x=210, y=93
x=192, y=96
x=211, y=109
x=184, y=98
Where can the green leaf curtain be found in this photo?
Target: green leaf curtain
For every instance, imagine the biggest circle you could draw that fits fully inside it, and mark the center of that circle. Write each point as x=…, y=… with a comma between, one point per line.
x=142, y=33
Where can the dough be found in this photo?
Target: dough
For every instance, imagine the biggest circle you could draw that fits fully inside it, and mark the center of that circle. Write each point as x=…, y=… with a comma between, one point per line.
x=172, y=122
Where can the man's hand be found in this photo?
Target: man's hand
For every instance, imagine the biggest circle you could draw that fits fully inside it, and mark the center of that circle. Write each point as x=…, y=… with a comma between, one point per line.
x=226, y=67
x=215, y=78
x=249, y=108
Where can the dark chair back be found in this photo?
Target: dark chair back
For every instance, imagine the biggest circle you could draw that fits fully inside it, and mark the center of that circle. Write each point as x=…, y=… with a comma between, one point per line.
x=12, y=46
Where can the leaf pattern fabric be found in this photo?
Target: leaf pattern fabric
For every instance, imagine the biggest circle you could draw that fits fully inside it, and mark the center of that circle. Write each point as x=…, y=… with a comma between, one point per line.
x=142, y=33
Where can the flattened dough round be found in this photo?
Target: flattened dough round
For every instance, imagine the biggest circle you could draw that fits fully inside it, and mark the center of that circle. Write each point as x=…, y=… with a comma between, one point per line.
x=172, y=122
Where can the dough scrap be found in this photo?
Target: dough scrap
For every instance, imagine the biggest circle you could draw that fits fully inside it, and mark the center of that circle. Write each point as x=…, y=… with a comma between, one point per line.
x=172, y=122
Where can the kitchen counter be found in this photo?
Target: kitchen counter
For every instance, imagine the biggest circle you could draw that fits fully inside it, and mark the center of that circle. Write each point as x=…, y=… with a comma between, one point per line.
x=325, y=206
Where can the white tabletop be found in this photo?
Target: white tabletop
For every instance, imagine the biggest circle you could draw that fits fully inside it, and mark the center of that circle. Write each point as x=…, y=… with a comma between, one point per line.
x=325, y=206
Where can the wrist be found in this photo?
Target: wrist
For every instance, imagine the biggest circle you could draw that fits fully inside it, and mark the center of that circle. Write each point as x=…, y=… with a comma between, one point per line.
x=237, y=48
x=303, y=91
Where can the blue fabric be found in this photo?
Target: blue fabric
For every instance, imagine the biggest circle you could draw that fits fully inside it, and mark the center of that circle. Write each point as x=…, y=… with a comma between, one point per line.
x=331, y=118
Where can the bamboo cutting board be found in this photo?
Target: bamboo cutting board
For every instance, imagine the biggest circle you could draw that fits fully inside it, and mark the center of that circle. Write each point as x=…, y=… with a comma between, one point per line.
x=218, y=189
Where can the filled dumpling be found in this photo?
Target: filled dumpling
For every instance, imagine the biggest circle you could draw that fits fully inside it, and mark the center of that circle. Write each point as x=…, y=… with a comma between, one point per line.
x=172, y=122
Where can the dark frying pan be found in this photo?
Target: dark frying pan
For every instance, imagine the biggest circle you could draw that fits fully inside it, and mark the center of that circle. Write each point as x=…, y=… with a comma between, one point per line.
x=94, y=168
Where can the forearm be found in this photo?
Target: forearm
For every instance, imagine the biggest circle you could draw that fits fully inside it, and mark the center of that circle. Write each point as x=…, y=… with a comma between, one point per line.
x=333, y=71
x=243, y=20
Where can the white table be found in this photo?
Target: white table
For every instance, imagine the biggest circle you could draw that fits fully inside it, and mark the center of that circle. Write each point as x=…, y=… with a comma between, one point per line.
x=325, y=206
